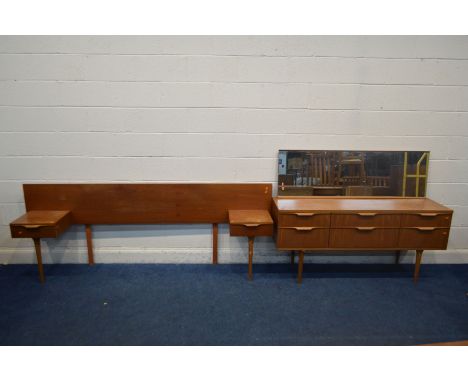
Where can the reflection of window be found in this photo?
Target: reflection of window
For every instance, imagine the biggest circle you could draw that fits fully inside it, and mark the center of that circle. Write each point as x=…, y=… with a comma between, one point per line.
x=378, y=173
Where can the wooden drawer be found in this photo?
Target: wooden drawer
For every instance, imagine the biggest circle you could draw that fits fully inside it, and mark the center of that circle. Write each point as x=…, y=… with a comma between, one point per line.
x=423, y=238
x=426, y=220
x=32, y=231
x=302, y=237
x=364, y=237
x=365, y=219
x=304, y=219
x=251, y=229
x=37, y=224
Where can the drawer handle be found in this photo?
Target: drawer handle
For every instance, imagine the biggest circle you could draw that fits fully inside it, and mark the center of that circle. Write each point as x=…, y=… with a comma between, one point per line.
x=365, y=228
x=428, y=214
x=367, y=213
x=30, y=226
x=305, y=214
x=251, y=225
x=304, y=228
x=425, y=228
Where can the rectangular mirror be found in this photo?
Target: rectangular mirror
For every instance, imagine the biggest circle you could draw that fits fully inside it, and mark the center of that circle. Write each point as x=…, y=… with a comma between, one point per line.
x=352, y=173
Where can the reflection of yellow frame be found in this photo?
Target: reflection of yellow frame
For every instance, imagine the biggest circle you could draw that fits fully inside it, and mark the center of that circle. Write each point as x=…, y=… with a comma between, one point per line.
x=417, y=176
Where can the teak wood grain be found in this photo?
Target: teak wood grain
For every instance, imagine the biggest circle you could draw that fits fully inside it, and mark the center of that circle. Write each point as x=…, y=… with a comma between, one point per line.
x=303, y=237
x=304, y=219
x=249, y=217
x=426, y=220
x=358, y=204
x=38, y=224
x=361, y=223
x=365, y=219
x=364, y=237
x=51, y=208
x=250, y=223
x=49, y=218
x=147, y=203
x=424, y=238
x=251, y=230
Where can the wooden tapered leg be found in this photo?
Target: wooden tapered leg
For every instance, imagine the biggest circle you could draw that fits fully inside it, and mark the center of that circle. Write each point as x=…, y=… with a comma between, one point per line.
x=251, y=243
x=292, y=257
x=37, y=246
x=215, y=243
x=417, y=265
x=397, y=257
x=89, y=242
x=300, y=266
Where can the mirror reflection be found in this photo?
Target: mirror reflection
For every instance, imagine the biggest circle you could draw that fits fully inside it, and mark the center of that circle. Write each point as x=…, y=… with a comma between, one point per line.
x=352, y=173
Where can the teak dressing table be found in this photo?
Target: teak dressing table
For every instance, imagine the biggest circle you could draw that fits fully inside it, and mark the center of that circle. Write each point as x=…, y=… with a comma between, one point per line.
x=52, y=208
x=360, y=223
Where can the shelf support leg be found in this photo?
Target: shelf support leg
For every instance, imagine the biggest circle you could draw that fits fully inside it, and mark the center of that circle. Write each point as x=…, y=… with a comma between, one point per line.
x=215, y=243
x=397, y=257
x=89, y=243
x=417, y=266
x=300, y=266
x=292, y=257
x=251, y=243
x=37, y=246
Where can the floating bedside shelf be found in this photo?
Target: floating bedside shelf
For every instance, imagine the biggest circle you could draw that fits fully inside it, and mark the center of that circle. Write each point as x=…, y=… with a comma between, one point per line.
x=250, y=223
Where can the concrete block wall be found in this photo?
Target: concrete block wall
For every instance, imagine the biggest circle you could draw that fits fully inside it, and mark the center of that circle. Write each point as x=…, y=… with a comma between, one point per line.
x=217, y=109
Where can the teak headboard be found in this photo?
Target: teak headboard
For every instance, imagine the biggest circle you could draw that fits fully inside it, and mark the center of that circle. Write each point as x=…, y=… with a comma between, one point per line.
x=147, y=203
x=52, y=208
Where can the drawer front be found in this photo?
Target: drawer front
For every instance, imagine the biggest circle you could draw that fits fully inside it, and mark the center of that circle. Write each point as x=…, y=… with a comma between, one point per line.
x=364, y=237
x=304, y=219
x=426, y=220
x=302, y=238
x=251, y=229
x=33, y=231
x=365, y=219
x=424, y=238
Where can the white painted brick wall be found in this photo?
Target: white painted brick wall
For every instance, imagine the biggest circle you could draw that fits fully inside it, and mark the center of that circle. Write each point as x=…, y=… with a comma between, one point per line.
x=217, y=109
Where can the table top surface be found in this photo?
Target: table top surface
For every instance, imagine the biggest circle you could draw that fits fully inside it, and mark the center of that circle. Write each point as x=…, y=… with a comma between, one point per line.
x=250, y=216
x=40, y=218
x=358, y=204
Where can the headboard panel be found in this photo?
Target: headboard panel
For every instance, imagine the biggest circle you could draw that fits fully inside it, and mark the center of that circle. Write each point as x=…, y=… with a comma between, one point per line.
x=130, y=203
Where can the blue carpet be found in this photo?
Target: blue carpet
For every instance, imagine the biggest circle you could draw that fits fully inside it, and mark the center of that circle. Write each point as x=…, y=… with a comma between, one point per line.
x=150, y=304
